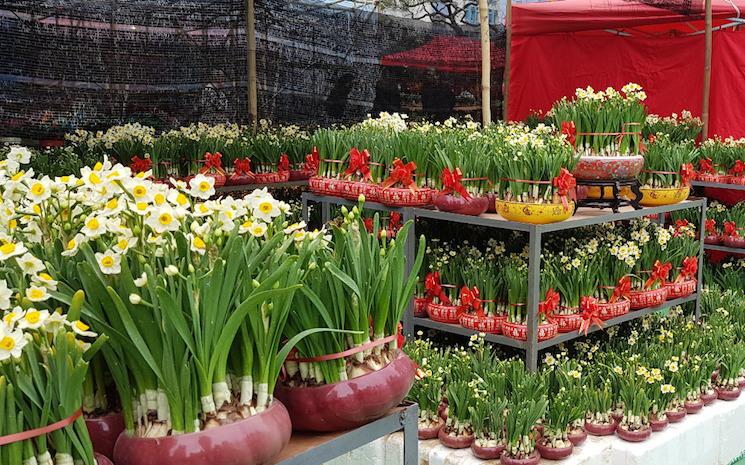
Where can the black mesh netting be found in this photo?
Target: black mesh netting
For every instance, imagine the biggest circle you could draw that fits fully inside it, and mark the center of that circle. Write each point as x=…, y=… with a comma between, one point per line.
x=66, y=64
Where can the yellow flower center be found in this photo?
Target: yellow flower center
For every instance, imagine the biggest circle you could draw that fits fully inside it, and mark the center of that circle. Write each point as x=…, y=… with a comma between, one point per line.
x=94, y=178
x=122, y=244
x=199, y=243
x=266, y=207
x=93, y=224
x=81, y=326
x=204, y=186
x=8, y=248
x=36, y=209
x=33, y=317
x=18, y=176
x=142, y=206
x=7, y=343
x=71, y=244
x=12, y=224
x=203, y=209
x=65, y=179
x=35, y=294
x=112, y=204
x=113, y=174
x=181, y=199
x=38, y=189
x=8, y=319
x=107, y=261
x=165, y=219
x=159, y=199
x=139, y=191
x=98, y=166
x=46, y=277
x=247, y=224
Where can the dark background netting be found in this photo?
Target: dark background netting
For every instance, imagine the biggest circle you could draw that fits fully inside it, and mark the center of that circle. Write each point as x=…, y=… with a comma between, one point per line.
x=66, y=64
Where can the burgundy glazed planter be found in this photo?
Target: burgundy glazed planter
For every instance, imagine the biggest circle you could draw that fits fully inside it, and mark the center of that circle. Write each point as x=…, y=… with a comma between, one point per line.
x=253, y=441
x=301, y=175
x=520, y=332
x=741, y=383
x=676, y=290
x=534, y=459
x=633, y=436
x=658, y=425
x=567, y=323
x=693, y=408
x=734, y=241
x=348, y=404
x=102, y=459
x=420, y=306
x=486, y=453
x=708, y=398
x=600, y=430
x=577, y=437
x=432, y=431
x=612, y=310
x=675, y=416
x=404, y=197
x=554, y=453
x=486, y=324
x=726, y=394
x=456, y=204
x=713, y=239
x=444, y=313
x=454, y=442
x=617, y=417
x=644, y=299
x=104, y=431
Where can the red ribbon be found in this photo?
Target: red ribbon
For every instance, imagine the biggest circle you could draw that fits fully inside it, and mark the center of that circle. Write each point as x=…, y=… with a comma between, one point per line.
x=212, y=161
x=140, y=165
x=346, y=353
x=706, y=166
x=622, y=289
x=589, y=308
x=652, y=138
x=738, y=169
x=711, y=226
x=660, y=272
x=689, y=268
x=564, y=182
x=242, y=166
x=470, y=298
x=403, y=173
x=549, y=304
x=451, y=181
x=35, y=433
x=686, y=173
x=312, y=160
x=358, y=163
x=284, y=164
x=434, y=288
x=730, y=229
x=569, y=129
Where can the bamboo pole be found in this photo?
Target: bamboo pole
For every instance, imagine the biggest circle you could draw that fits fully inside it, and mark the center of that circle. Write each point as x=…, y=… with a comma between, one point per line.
x=251, y=59
x=507, y=54
x=485, y=63
x=707, y=71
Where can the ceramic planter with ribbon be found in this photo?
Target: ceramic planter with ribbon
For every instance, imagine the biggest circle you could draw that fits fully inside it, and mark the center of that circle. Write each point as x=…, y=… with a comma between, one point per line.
x=618, y=303
x=685, y=284
x=213, y=167
x=356, y=178
x=649, y=295
x=569, y=320
x=474, y=317
x=241, y=174
x=607, y=167
x=519, y=331
x=269, y=173
x=657, y=196
x=409, y=194
x=455, y=198
x=439, y=306
x=561, y=208
x=304, y=171
x=710, y=172
x=732, y=235
x=712, y=234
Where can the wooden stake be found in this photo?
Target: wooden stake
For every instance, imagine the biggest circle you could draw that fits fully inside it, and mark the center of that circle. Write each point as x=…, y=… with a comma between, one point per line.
x=507, y=53
x=251, y=59
x=485, y=63
x=707, y=71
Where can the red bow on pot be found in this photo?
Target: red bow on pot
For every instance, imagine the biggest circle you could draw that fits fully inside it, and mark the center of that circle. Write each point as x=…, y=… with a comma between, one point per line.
x=680, y=225
x=242, y=166
x=549, y=304
x=652, y=138
x=710, y=226
x=730, y=229
x=403, y=173
x=660, y=272
x=564, y=182
x=451, y=181
x=434, y=288
x=687, y=173
x=569, y=129
x=738, y=169
x=469, y=298
x=358, y=163
x=589, y=308
x=689, y=269
x=212, y=161
x=283, y=165
x=140, y=165
x=706, y=166
x=622, y=289
x=312, y=160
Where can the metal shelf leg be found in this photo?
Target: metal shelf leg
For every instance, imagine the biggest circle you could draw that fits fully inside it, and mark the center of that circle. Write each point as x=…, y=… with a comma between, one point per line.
x=534, y=290
x=702, y=236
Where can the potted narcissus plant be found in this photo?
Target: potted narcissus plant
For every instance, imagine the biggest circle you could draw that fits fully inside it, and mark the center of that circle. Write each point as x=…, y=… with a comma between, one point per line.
x=651, y=270
x=522, y=415
x=599, y=401
x=489, y=426
x=613, y=264
x=443, y=285
x=457, y=433
x=563, y=408
x=679, y=127
x=575, y=277
x=634, y=426
x=732, y=361
x=668, y=172
x=605, y=128
x=427, y=390
x=733, y=226
x=683, y=251
x=359, y=291
x=484, y=302
x=516, y=326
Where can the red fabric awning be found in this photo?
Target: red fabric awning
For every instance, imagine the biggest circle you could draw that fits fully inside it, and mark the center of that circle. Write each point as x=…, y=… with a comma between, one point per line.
x=451, y=54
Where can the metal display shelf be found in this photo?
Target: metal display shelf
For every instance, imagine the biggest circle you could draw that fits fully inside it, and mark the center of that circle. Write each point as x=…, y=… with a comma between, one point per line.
x=250, y=187
x=315, y=449
x=584, y=216
x=718, y=185
x=721, y=248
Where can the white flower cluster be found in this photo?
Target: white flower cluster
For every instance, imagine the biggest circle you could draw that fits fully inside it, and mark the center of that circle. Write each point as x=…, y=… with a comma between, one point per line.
x=395, y=122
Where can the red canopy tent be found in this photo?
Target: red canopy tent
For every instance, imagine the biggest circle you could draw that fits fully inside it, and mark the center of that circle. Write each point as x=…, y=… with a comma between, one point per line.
x=559, y=46
x=446, y=53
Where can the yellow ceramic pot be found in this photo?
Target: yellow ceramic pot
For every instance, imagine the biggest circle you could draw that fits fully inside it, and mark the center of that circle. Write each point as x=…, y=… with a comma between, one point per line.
x=536, y=213
x=593, y=192
x=654, y=197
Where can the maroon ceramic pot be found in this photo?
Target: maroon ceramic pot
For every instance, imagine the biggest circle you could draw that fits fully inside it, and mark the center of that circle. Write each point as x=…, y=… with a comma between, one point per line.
x=726, y=394
x=633, y=436
x=538, y=429
x=714, y=376
x=420, y=306
x=442, y=409
x=600, y=430
x=349, y=404
x=577, y=437
x=708, y=398
x=693, y=408
x=567, y=323
x=474, y=206
x=553, y=453
x=737, y=242
x=741, y=383
x=432, y=431
x=102, y=459
x=644, y=299
x=454, y=442
x=534, y=459
x=486, y=453
x=104, y=431
x=612, y=310
x=617, y=417
x=713, y=239
x=239, y=179
x=520, y=332
x=675, y=416
x=657, y=424
x=253, y=441
x=492, y=197
x=444, y=313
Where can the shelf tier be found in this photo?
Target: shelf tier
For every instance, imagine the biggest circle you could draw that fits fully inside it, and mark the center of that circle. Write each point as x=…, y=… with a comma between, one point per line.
x=722, y=248
x=250, y=187
x=329, y=199
x=561, y=337
x=718, y=185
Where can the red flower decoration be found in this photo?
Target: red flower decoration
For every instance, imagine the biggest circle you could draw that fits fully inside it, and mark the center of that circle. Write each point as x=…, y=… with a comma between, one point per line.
x=140, y=165
x=689, y=268
x=730, y=229
x=711, y=226
x=470, y=298
x=660, y=272
x=434, y=288
x=706, y=166
x=589, y=308
x=212, y=161
x=312, y=160
x=284, y=164
x=242, y=166
x=738, y=169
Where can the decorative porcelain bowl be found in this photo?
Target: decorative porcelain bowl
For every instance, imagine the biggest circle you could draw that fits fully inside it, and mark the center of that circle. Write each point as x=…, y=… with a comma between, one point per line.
x=520, y=332
x=608, y=310
x=608, y=168
x=535, y=213
x=679, y=289
x=651, y=298
x=486, y=324
x=653, y=197
x=444, y=313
